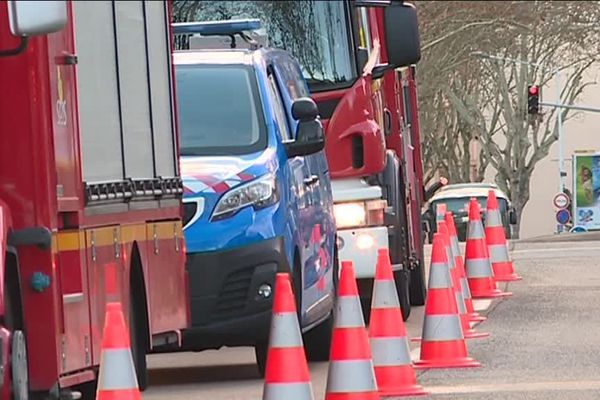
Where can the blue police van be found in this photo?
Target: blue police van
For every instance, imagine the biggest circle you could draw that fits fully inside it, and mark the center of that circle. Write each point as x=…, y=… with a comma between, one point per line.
x=257, y=197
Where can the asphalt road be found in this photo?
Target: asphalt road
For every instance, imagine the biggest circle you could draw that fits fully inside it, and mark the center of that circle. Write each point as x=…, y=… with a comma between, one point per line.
x=544, y=342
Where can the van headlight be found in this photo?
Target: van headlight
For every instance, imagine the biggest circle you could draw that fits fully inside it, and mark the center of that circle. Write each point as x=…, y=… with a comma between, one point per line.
x=259, y=193
x=359, y=214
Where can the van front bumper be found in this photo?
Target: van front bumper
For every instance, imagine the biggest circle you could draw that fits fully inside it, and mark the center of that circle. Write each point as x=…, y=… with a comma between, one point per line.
x=228, y=301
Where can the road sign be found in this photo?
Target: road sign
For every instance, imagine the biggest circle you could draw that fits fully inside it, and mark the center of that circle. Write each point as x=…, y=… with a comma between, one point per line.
x=563, y=216
x=561, y=201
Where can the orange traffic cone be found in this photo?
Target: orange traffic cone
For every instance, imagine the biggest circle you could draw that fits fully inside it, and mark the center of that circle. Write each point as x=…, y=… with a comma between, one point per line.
x=477, y=262
x=117, y=379
x=468, y=332
x=440, y=212
x=458, y=260
x=443, y=344
x=351, y=375
x=286, y=374
x=389, y=345
x=496, y=242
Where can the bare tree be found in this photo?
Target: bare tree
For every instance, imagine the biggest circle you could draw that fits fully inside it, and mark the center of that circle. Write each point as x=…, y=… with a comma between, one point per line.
x=488, y=100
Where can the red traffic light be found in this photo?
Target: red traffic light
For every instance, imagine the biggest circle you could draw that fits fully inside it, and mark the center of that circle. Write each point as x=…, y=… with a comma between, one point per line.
x=533, y=90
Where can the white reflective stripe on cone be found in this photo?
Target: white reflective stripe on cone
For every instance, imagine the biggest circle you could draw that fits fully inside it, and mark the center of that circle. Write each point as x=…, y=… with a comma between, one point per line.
x=348, y=312
x=450, y=255
x=390, y=351
x=288, y=391
x=460, y=302
x=465, y=288
x=285, y=331
x=479, y=268
x=439, y=276
x=455, y=247
x=117, y=371
x=498, y=253
x=350, y=376
x=440, y=328
x=493, y=218
x=475, y=230
x=385, y=295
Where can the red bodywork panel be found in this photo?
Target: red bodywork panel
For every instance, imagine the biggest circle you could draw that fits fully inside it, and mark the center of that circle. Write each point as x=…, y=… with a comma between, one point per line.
x=353, y=117
x=91, y=252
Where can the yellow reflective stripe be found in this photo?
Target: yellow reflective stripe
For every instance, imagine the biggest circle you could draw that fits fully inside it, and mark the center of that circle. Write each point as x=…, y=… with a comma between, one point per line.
x=77, y=240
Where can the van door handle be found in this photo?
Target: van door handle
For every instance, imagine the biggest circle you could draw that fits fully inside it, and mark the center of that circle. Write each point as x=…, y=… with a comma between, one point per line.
x=311, y=181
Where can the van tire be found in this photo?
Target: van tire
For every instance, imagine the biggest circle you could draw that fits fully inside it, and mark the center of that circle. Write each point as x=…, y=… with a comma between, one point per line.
x=260, y=353
x=317, y=341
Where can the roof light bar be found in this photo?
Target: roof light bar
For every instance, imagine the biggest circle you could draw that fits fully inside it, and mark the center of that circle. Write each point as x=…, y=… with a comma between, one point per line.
x=216, y=28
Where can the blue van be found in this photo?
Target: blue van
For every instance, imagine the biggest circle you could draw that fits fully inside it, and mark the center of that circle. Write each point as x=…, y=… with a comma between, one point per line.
x=257, y=197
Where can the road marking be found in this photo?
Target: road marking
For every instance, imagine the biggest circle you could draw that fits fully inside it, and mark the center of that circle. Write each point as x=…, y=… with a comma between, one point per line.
x=518, y=387
x=560, y=250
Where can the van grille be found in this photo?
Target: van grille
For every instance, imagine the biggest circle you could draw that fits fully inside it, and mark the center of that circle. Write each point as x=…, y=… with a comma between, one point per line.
x=234, y=294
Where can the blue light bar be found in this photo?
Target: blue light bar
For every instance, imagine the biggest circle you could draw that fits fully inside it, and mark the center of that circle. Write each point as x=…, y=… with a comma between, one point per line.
x=217, y=28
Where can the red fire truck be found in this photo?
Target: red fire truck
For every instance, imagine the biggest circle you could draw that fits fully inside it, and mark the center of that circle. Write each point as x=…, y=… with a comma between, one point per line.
x=90, y=208
x=358, y=58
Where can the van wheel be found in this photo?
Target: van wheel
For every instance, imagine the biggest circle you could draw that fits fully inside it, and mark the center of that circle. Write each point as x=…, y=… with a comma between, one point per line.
x=402, y=279
x=260, y=352
x=317, y=341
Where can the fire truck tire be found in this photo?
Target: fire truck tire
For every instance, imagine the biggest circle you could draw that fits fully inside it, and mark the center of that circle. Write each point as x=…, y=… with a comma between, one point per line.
x=402, y=279
x=138, y=347
x=18, y=367
x=418, y=291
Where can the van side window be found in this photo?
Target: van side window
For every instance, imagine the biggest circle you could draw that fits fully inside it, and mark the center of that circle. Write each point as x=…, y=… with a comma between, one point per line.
x=278, y=109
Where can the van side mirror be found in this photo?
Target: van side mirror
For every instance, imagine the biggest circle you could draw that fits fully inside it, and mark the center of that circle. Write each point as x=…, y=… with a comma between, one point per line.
x=310, y=138
x=403, y=41
x=30, y=18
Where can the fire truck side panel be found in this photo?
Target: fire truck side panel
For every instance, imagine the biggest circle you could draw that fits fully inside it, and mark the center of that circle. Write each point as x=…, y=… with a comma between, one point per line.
x=58, y=96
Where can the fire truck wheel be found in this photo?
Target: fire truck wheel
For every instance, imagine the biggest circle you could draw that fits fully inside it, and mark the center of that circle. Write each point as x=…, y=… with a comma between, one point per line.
x=418, y=291
x=138, y=351
x=402, y=279
x=18, y=361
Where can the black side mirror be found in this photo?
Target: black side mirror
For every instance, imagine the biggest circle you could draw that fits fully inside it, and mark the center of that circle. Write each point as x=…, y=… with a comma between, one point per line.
x=512, y=217
x=403, y=41
x=310, y=138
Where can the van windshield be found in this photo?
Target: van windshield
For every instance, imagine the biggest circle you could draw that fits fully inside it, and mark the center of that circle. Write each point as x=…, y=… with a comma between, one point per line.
x=219, y=110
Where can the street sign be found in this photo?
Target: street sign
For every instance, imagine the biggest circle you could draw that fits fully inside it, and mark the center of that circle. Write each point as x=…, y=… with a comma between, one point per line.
x=561, y=201
x=563, y=216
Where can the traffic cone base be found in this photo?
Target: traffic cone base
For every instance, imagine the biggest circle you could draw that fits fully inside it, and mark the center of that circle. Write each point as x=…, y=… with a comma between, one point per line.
x=476, y=317
x=503, y=272
x=480, y=289
x=398, y=374
x=449, y=354
x=469, y=332
x=131, y=394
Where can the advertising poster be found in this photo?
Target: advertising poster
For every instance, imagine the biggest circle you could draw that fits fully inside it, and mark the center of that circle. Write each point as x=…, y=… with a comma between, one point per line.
x=586, y=191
